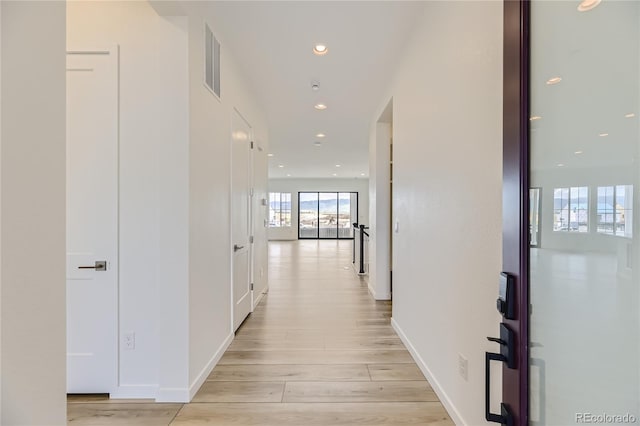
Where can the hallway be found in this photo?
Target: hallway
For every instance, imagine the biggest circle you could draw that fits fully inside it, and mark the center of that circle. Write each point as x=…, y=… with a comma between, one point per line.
x=317, y=350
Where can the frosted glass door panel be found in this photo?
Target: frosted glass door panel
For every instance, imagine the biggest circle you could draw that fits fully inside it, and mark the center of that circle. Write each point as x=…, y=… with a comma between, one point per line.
x=584, y=324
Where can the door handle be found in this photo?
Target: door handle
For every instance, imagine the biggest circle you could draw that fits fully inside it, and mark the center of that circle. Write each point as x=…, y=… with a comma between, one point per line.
x=100, y=265
x=237, y=247
x=506, y=355
x=505, y=417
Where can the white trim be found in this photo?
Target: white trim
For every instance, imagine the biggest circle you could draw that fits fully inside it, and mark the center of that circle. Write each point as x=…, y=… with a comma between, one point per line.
x=442, y=395
x=173, y=395
x=259, y=298
x=372, y=290
x=135, y=392
x=202, y=377
x=232, y=329
x=384, y=296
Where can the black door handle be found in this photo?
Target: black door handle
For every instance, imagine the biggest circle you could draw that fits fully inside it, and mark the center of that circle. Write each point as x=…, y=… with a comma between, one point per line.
x=505, y=417
x=506, y=355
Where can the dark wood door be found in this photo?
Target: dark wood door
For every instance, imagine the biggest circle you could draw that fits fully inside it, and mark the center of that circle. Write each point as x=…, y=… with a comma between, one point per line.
x=516, y=198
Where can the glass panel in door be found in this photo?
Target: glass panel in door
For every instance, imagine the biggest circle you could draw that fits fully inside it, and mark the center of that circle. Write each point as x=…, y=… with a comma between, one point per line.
x=584, y=134
x=328, y=217
x=308, y=215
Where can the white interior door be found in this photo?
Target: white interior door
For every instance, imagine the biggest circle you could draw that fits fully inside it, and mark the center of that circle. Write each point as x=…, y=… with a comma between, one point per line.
x=92, y=221
x=240, y=217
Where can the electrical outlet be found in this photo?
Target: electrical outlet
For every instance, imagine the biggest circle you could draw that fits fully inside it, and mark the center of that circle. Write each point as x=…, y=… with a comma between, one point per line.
x=463, y=367
x=129, y=340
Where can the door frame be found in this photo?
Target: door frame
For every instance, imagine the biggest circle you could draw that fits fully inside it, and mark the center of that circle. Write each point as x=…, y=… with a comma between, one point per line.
x=515, y=201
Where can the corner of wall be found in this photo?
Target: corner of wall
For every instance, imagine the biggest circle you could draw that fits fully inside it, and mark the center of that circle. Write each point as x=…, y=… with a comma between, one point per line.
x=204, y=373
x=428, y=374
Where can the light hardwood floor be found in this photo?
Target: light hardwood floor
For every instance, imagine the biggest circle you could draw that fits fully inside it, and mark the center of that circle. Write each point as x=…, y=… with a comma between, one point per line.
x=317, y=351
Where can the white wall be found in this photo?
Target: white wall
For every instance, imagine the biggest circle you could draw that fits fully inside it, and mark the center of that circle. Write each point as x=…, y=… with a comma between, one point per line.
x=379, y=209
x=153, y=185
x=175, y=278
x=210, y=239
x=260, y=222
x=0, y=214
x=33, y=346
x=361, y=186
x=447, y=138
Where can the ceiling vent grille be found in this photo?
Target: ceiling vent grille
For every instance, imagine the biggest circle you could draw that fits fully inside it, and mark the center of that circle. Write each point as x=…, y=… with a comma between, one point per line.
x=212, y=62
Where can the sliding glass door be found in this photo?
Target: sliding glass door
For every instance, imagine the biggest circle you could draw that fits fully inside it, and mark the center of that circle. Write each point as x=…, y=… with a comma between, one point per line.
x=347, y=213
x=327, y=215
x=308, y=215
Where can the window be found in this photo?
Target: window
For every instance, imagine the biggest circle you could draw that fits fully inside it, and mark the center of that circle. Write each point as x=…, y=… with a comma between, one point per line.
x=279, y=209
x=571, y=209
x=615, y=211
x=327, y=214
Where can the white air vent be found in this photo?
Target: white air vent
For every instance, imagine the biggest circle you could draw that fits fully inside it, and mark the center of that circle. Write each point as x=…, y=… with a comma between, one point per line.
x=212, y=61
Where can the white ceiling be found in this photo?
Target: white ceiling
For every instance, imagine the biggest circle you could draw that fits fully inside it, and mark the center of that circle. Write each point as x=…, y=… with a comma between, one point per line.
x=272, y=42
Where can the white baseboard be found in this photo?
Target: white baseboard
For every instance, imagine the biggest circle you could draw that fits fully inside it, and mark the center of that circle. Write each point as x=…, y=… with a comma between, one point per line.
x=135, y=392
x=173, y=395
x=202, y=377
x=384, y=296
x=442, y=395
x=372, y=291
x=259, y=297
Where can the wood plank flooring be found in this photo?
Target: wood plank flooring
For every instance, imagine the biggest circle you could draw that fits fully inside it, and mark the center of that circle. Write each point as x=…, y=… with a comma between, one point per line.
x=317, y=351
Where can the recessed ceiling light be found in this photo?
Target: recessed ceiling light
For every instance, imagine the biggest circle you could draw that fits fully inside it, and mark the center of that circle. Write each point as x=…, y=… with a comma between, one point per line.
x=560, y=165
x=578, y=152
x=586, y=5
x=280, y=165
x=554, y=80
x=315, y=86
x=361, y=174
x=288, y=175
x=630, y=115
x=603, y=134
x=335, y=174
x=269, y=155
x=534, y=118
x=320, y=106
x=320, y=135
x=320, y=49
x=337, y=165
